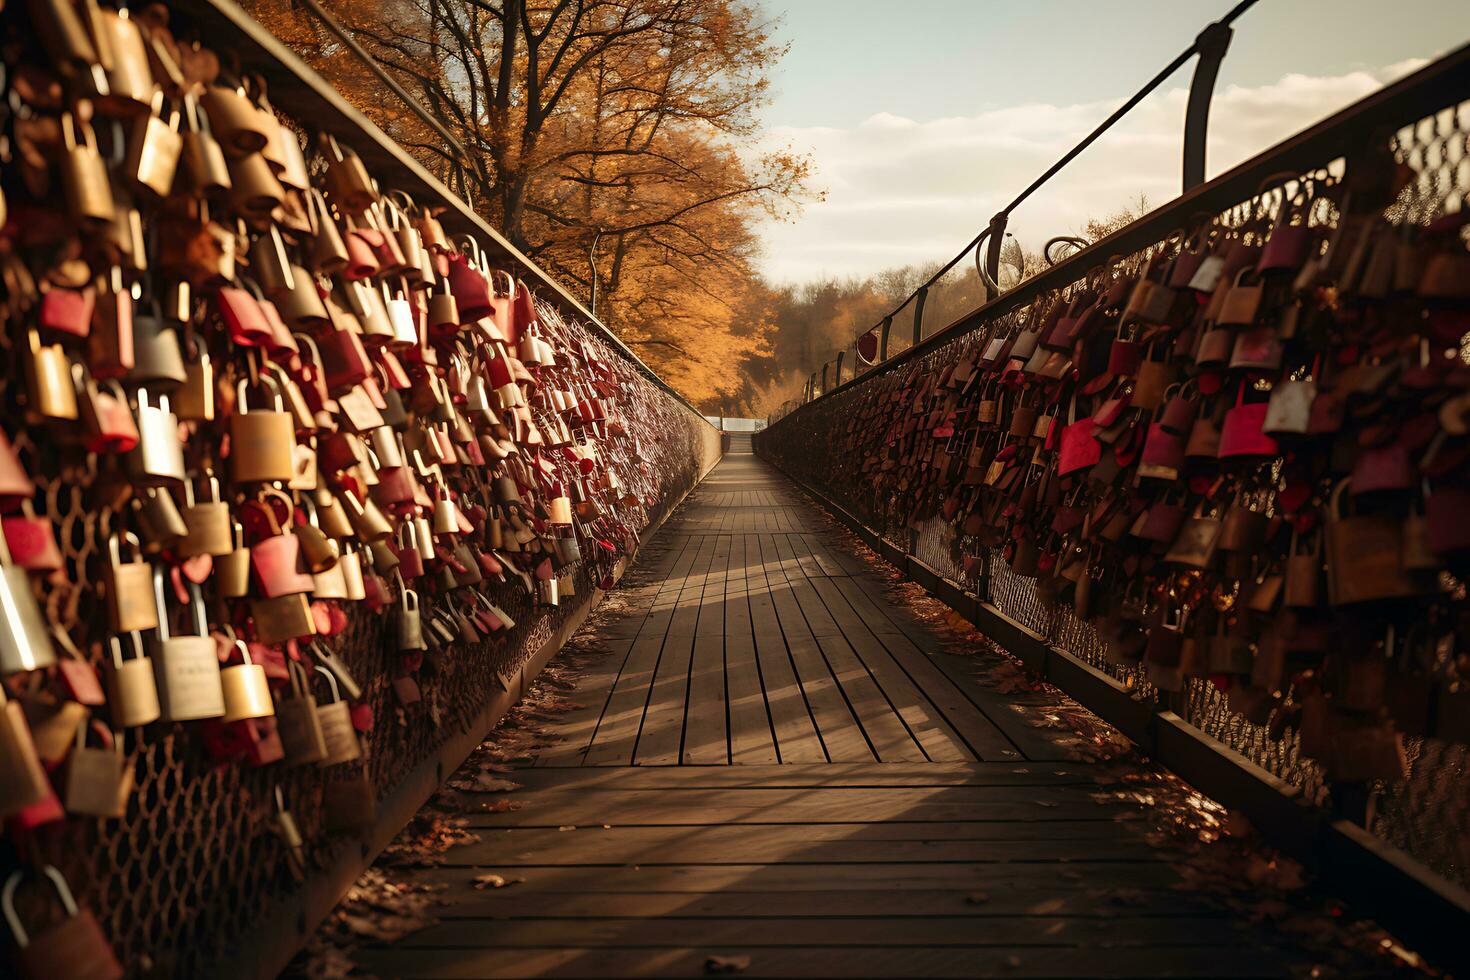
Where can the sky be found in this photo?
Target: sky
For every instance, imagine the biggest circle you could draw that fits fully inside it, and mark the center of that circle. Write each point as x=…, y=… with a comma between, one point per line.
x=925, y=117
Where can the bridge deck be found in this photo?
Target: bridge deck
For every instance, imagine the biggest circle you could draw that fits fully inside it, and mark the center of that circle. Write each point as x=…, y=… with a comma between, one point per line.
x=775, y=762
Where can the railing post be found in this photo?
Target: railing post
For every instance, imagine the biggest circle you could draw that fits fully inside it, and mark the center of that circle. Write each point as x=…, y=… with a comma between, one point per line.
x=991, y=280
x=883, y=338
x=823, y=390
x=840, y=355
x=1212, y=44
x=919, y=315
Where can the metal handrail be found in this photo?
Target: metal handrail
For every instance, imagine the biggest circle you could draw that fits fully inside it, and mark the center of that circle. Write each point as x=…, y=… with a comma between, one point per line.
x=1401, y=103
x=1211, y=45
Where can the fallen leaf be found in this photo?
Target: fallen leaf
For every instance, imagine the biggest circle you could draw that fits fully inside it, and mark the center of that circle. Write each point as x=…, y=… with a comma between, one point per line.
x=726, y=964
x=485, y=881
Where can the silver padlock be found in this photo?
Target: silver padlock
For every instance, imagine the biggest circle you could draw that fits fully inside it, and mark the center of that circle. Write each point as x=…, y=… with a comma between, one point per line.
x=159, y=456
x=186, y=667
x=25, y=641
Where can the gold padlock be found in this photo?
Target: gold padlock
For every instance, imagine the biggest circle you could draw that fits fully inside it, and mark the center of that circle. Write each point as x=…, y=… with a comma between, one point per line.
x=132, y=693
x=331, y=518
x=255, y=191
x=194, y=399
x=84, y=175
x=23, y=779
x=160, y=525
x=319, y=553
x=261, y=441
x=232, y=569
x=186, y=668
x=208, y=522
x=336, y=722
x=129, y=587
x=247, y=691
x=297, y=724
x=348, y=182
x=286, y=617
x=203, y=169
x=49, y=383
x=154, y=145
x=366, y=517
x=235, y=120
x=96, y=780
x=159, y=456
x=130, y=84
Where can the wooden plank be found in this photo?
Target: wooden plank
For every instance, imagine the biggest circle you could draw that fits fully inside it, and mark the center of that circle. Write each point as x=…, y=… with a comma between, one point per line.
x=574, y=732
x=841, y=734
x=662, y=733
x=694, y=848
x=617, y=730
x=821, y=776
x=466, y=901
x=791, y=720
x=702, y=879
x=706, y=723
x=752, y=738
x=924, y=722
x=964, y=931
x=1022, y=962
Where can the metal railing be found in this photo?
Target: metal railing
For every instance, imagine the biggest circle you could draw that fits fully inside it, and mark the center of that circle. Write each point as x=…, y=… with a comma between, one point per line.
x=1209, y=46
x=1406, y=863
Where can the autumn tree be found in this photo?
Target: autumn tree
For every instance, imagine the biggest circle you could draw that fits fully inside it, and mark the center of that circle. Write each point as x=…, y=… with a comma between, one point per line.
x=613, y=141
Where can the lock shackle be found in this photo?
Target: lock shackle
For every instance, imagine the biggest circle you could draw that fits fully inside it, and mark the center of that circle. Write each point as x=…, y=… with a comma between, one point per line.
x=114, y=646
x=233, y=637
x=196, y=607
x=242, y=406
x=115, y=543
x=331, y=682
x=7, y=901
x=162, y=405
x=109, y=738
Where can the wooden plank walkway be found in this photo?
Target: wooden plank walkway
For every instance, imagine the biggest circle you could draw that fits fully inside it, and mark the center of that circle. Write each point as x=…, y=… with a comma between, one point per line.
x=775, y=764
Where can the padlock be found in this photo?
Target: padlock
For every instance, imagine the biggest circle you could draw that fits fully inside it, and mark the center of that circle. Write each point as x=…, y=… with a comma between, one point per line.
x=338, y=734
x=261, y=441
x=425, y=538
x=246, y=688
x=401, y=317
x=129, y=73
x=132, y=692
x=410, y=621
x=286, y=617
x=366, y=517
x=106, y=417
x=559, y=509
x=255, y=191
x=319, y=553
x=232, y=569
x=72, y=947
x=350, y=567
x=96, y=783
x=446, y=515
x=186, y=668
x=386, y=447
x=159, y=457
x=52, y=391
x=348, y=182
x=129, y=587
x=154, y=144
x=290, y=835
x=160, y=525
x=202, y=169
x=297, y=723
x=330, y=516
x=23, y=781
x=25, y=641
x=209, y=526
x=84, y=175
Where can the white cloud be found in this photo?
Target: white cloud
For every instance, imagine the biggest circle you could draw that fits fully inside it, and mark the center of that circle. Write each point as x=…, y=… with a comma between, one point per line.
x=902, y=190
